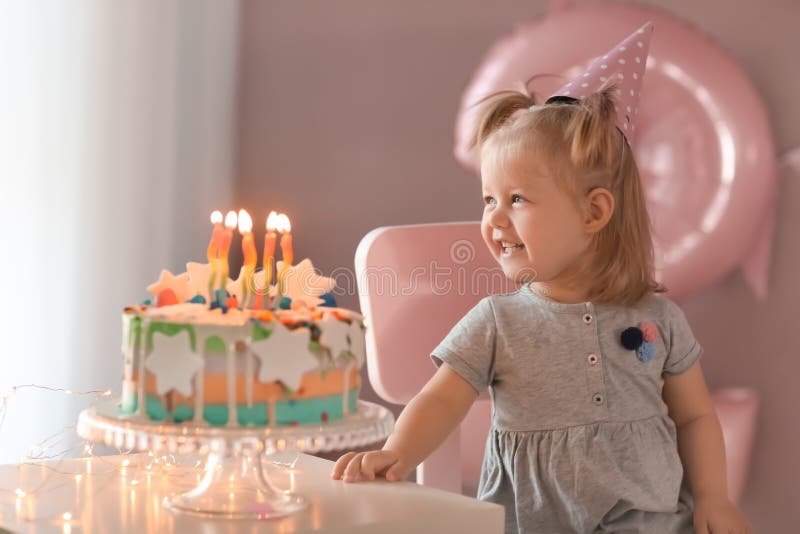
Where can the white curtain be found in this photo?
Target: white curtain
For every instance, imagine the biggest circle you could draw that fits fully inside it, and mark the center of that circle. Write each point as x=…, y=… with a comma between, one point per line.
x=116, y=142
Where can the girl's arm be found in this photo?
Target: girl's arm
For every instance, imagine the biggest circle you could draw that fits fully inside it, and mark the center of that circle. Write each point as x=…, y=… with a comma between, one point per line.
x=422, y=426
x=702, y=451
x=700, y=443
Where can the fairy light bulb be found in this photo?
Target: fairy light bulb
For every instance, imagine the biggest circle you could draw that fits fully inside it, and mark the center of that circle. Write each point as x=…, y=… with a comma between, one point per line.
x=47, y=449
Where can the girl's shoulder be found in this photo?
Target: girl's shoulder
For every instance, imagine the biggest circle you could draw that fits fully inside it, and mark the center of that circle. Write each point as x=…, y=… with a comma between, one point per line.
x=520, y=297
x=656, y=308
x=660, y=304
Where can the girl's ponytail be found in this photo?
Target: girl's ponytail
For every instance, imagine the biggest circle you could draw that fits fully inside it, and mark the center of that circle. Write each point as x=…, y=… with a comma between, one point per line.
x=593, y=131
x=499, y=112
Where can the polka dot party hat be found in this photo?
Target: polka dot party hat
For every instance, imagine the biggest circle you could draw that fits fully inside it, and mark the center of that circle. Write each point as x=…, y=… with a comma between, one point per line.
x=626, y=62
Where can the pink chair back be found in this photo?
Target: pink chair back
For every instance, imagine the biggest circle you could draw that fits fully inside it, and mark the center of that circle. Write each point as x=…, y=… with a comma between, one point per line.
x=415, y=282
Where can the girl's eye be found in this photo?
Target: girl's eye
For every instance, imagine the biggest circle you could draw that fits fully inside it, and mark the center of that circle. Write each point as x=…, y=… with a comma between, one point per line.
x=516, y=198
x=489, y=201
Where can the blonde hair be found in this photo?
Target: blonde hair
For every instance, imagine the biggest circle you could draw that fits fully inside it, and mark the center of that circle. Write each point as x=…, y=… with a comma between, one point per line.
x=582, y=149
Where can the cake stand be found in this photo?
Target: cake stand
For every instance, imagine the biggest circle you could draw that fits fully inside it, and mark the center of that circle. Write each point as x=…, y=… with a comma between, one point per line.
x=235, y=484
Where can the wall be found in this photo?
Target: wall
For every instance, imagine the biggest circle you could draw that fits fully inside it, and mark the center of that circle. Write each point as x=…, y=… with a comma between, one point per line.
x=346, y=114
x=117, y=141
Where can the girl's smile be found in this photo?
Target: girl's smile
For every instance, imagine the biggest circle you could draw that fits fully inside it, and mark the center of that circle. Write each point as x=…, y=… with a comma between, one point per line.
x=509, y=248
x=532, y=227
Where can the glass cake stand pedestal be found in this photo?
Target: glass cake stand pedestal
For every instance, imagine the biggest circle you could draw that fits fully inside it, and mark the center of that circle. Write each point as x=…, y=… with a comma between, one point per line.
x=235, y=484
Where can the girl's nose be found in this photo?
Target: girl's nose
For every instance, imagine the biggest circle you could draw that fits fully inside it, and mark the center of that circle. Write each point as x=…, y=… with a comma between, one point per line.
x=497, y=218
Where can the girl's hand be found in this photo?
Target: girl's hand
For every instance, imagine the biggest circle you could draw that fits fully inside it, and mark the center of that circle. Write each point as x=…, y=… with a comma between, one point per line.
x=718, y=515
x=366, y=465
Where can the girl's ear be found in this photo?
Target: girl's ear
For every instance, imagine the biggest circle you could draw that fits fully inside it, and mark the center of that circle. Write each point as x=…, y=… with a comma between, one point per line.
x=599, y=204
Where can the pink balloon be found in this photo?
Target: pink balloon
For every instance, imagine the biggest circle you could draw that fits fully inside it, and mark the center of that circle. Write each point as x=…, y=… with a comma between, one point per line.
x=704, y=145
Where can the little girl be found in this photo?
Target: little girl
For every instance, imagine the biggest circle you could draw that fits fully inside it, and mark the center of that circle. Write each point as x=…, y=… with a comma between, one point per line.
x=599, y=402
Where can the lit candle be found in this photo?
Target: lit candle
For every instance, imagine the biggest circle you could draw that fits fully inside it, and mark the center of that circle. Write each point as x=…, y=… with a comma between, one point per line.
x=224, y=248
x=250, y=256
x=285, y=226
x=268, y=261
x=213, y=249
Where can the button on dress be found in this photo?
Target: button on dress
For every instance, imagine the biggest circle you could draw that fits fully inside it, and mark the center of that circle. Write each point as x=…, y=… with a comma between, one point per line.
x=580, y=439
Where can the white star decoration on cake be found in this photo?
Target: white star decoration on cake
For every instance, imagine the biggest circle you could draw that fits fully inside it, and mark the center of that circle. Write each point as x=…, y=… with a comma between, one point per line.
x=301, y=281
x=177, y=283
x=333, y=335
x=199, y=274
x=284, y=355
x=173, y=363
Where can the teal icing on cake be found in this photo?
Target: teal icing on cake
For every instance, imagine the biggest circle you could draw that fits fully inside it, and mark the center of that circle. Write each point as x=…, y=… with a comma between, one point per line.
x=301, y=411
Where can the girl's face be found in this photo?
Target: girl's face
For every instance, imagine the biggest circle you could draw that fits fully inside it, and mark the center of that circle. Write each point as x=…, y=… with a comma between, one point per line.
x=533, y=228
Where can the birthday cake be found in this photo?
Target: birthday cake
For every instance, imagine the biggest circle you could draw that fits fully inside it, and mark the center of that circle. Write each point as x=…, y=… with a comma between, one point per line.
x=208, y=350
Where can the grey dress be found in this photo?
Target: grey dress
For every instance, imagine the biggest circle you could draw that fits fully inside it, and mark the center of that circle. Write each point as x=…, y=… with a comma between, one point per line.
x=580, y=438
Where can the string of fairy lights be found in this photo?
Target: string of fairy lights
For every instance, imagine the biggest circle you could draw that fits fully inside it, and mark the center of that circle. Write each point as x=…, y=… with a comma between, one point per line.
x=48, y=454
x=53, y=440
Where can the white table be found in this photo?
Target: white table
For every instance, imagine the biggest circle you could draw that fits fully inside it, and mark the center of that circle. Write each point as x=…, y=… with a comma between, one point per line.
x=109, y=498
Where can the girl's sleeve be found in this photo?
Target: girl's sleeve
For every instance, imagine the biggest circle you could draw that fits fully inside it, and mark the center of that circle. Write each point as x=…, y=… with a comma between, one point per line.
x=469, y=348
x=683, y=349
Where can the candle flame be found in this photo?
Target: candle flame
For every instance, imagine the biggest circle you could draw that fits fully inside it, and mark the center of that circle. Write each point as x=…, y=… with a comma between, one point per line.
x=245, y=222
x=230, y=220
x=216, y=217
x=272, y=221
x=284, y=225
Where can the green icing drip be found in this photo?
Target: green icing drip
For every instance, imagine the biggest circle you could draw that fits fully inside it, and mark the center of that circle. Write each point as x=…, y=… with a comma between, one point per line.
x=346, y=355
x=259, y=332
x=131, y=329
x=327, y=367
x=136, y=331
x=170, y=329
x=215, y=344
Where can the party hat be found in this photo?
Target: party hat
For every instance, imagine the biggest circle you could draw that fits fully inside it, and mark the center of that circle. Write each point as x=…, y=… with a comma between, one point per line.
x=626, y=62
